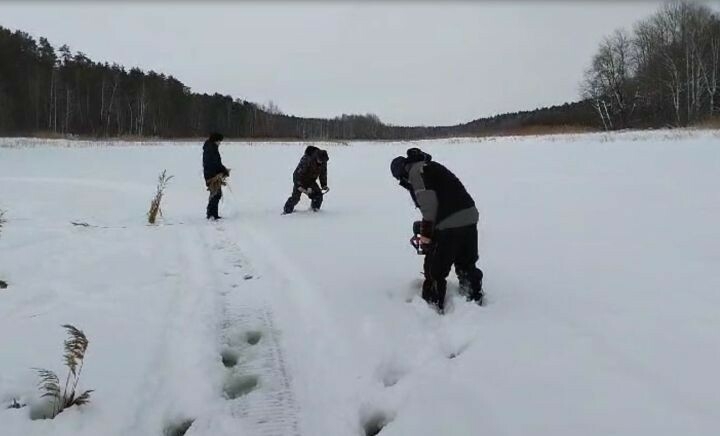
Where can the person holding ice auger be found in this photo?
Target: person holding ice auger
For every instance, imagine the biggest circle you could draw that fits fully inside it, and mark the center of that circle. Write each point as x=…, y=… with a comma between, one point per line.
x=312, y=166
x=447, y=234
x=215, y=174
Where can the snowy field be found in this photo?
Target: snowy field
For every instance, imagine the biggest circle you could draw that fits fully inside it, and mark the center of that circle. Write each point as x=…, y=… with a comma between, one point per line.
x=601, y=255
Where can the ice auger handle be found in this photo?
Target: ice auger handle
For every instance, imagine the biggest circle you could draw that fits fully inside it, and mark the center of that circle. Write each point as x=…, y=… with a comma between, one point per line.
x=416, y=242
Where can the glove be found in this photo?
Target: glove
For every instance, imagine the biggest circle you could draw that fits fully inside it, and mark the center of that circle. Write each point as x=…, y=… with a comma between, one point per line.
x=422, y=244
x=426, y=229
x=325, y=189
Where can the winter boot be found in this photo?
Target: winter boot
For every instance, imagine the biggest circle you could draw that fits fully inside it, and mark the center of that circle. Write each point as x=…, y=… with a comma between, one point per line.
x=433, y=293
x=471, y=284
x=316, y=202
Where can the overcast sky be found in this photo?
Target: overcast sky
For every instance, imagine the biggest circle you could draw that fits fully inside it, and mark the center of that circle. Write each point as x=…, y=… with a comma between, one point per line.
x=407, y=62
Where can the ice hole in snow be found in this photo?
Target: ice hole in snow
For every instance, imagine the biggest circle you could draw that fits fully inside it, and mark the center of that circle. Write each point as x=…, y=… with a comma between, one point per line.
x=459, y=351
x=374, y=423
x=237, y=386
x=178, y=428
x=41, y=410
x=391, y=377
x=390, y=373
x=253, y=337
x=229, y=357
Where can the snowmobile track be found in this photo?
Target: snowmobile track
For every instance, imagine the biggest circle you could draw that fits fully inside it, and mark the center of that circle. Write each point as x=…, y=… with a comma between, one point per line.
x=258, y=385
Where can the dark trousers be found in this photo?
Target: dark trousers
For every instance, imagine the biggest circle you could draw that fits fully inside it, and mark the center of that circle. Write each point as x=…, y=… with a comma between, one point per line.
x=213, y=203
x=316, y=198
x=450, y=247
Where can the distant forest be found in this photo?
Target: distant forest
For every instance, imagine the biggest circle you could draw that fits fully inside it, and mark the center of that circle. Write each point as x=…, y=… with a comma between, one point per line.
x=664, y=74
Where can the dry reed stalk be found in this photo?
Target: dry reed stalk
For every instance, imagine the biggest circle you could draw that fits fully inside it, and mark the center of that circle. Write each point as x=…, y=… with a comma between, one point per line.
x=155, y=209
x=75, y=347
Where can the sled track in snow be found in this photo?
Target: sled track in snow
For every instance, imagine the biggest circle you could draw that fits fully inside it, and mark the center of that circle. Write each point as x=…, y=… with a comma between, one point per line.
x=258, y=385
x=269, y=408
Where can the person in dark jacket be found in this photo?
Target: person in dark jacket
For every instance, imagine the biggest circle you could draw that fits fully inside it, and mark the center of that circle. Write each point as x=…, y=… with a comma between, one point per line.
x=449, y=225
x=215, y=174
x=312, y=166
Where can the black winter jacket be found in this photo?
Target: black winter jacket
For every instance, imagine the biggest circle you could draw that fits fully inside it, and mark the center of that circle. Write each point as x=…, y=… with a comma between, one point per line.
x=212, y=163
x=442, y=198
x=309, y=169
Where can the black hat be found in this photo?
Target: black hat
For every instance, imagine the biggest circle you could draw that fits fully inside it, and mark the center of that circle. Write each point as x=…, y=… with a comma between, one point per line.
x=322, y=156
x=216, y=137
x=397, y=167
x=414, y=154
x=310, y=150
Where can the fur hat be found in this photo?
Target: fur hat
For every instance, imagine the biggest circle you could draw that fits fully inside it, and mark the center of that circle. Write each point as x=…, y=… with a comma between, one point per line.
x=216, y=137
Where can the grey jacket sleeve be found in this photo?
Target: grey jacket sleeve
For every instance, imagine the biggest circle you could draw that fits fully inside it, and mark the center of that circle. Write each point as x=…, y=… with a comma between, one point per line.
x=426, y=198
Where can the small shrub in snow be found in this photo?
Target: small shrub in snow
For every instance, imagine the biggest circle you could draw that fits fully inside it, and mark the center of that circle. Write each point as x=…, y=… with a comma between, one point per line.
x=15, y=404
x=62, y=398
x=155, y=210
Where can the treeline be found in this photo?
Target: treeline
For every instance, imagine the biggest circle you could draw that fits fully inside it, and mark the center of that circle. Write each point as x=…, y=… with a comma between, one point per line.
x=58, y=92
x=43, y=90
x=666, y=72
x=47, y=91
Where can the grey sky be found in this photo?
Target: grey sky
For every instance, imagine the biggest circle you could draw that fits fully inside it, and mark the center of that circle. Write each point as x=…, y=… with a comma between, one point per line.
x=409, y=63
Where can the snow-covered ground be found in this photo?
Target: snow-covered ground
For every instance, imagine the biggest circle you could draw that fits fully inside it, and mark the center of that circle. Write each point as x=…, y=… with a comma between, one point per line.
x=601, y=255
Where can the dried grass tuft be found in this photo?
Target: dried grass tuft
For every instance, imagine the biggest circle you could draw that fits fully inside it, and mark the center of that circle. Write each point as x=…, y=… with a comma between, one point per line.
x=60, y=399
x=709, y=123
x=3, y=284
x=155, y=209
x=542, y=130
